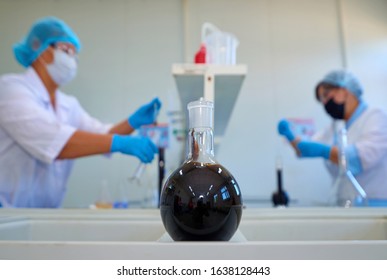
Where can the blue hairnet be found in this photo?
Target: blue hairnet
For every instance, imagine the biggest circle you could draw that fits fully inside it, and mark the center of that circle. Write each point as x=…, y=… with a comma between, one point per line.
x=45, y=31
x=344, y=79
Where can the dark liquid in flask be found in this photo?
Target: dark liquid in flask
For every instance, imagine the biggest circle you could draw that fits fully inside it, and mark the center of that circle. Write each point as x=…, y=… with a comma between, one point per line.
x=201, y=202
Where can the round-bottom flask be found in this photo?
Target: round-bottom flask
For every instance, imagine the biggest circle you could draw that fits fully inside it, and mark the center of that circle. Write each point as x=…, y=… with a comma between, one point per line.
x=201, y=200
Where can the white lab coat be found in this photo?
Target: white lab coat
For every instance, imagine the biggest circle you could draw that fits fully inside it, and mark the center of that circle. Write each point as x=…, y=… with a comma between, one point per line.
x=367, y=135
x=32, y=134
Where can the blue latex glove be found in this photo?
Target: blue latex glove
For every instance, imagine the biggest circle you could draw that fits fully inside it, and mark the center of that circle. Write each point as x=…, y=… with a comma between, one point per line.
x=146, y=114
x=141, y=147
x=284, y=130
x=313, y=149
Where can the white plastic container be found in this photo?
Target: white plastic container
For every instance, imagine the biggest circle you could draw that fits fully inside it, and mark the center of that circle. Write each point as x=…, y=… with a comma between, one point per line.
x=221, y=46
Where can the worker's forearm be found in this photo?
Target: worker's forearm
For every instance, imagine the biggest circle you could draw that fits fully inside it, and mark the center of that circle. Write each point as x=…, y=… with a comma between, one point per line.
x=294, y=145
x=334, y=155
x=122, y=128
x=83, y=143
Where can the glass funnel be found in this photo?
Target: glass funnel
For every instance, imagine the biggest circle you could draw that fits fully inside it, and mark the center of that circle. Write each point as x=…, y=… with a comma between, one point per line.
x=346, y=190
x=201, y=200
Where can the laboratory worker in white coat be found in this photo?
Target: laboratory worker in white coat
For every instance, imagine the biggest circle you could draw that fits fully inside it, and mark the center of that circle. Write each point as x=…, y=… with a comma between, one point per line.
x=43, y=129
x=341, y=94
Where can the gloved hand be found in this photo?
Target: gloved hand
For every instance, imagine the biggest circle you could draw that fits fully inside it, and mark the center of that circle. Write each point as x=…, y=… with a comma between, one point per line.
x=284, y=130
x=141, y=147
x=146, y=114
x=313, y=149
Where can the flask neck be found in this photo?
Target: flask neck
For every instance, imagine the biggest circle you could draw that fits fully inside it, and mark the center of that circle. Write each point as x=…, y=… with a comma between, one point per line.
x=201, y=145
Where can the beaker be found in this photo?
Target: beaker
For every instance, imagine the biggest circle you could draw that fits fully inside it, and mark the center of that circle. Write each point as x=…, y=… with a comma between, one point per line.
x=201, y=200
x=121, y=196
x=346, y=190
x=104, y=199
x=220, y=46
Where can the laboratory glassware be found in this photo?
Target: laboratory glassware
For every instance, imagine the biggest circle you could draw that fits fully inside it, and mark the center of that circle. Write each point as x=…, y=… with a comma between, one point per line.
x=346, y=190
x=136, y=177
x=221, y=47
x=280, y=197
x=201, y=200
x=104, y=200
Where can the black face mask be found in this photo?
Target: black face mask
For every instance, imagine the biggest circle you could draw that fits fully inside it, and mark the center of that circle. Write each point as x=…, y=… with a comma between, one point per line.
x=335, y=110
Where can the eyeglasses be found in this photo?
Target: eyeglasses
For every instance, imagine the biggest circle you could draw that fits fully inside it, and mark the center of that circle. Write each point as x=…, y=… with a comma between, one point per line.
x=67, y=48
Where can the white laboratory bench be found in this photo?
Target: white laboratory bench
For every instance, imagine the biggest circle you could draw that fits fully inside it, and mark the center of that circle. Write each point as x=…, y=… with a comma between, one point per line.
x=264, y=233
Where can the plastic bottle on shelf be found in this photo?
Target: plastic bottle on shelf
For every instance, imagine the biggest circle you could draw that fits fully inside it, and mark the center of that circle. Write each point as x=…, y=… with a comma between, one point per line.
x=200, y=56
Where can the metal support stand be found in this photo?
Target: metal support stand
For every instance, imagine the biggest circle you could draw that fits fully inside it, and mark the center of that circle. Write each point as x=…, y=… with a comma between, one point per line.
x=161, y=165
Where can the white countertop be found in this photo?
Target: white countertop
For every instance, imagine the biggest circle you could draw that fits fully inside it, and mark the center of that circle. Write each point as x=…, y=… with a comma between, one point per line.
x=264, y=233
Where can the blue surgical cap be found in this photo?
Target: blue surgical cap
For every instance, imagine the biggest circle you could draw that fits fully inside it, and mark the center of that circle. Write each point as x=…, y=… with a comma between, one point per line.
x=45, y=31
x=344, y=79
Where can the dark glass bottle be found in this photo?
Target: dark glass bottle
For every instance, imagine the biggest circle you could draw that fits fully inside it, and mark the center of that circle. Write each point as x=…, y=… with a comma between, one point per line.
x=201, y=200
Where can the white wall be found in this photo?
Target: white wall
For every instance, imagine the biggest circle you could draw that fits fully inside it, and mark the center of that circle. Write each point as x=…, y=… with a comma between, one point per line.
x=288, y=45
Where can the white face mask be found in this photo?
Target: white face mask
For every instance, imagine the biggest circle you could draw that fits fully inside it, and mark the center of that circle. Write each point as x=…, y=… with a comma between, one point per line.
x=64, y=67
